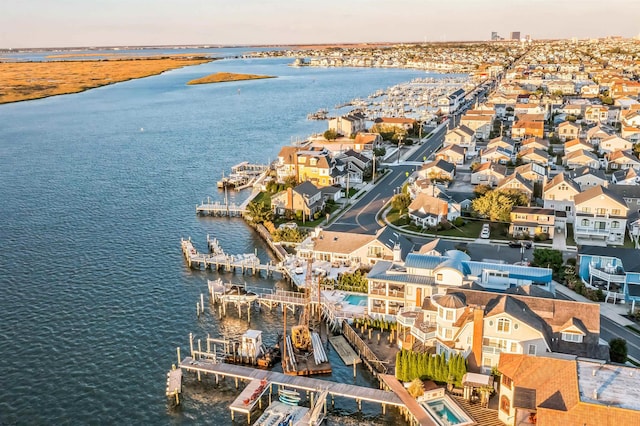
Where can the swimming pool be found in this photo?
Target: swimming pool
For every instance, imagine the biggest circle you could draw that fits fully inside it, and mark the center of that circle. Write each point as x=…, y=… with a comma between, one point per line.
x=443, y=413
x=356, y=300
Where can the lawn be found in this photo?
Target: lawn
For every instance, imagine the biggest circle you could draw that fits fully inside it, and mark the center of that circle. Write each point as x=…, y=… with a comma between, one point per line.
x=263, y=197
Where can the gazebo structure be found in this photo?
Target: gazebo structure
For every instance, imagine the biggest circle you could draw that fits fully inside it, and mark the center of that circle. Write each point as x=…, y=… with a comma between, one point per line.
x=477, y=385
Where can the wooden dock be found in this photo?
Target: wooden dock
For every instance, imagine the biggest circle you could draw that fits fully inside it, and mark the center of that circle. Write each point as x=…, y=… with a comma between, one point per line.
x=358, y=393
x=174, y=383
x=342, y=347
x=249, y=397
x=221, y=209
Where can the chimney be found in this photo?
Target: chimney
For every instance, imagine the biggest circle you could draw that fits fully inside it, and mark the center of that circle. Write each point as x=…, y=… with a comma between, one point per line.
x=290, y=198
x=475, y=357
x=397, y=253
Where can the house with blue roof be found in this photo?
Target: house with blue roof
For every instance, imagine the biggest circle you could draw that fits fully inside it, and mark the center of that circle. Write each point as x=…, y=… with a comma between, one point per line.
x=614, y=270
x=395, y=285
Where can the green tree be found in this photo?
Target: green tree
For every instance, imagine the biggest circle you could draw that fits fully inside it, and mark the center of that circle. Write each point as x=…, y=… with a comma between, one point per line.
x=330, y=135
x=618, y=350
x=380, y=152
x=399, y=366
x=259, y=212
x=401, y=202
x=549, y=258
x=497, y=204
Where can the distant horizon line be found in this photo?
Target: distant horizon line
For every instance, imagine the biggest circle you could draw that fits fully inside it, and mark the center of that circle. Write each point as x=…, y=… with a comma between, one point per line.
x=238, y=45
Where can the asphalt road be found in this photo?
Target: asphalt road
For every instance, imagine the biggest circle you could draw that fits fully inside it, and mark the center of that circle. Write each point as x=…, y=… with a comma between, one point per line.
x=361, y=217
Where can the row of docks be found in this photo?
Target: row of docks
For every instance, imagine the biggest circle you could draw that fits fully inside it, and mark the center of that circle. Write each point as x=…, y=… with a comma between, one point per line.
x=219, y=260
x=243, y=175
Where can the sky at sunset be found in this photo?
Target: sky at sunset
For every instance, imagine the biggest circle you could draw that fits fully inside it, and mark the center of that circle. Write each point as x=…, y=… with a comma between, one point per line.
x=64, y=23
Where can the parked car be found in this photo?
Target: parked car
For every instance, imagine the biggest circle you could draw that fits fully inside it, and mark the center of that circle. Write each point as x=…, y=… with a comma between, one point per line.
x=527, y=244
x=486, y=231
x=515, y=244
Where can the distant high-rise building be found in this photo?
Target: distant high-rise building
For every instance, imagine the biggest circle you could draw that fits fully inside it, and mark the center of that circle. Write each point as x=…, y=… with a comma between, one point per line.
x=515, y=35
x=494, y=35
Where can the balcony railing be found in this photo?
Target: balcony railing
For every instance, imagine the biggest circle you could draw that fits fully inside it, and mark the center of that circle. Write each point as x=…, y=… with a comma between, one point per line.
x=421, y=335
x=611, y=275
x=379, y=291
x=407, y=316
x=491, y=350
x=591, y=231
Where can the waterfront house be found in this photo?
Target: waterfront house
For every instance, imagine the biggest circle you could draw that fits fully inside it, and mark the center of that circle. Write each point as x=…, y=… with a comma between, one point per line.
x=559, y=193
x=601, y=217
x=532, y=221
x=581, y=158
x=549, y=390
x=587, y=177
x=304, y=200
x=450, y=103
x=395, y=285
x=313, y=164
x=353, y=249
x=488, y=174
x=567, y=131
x=348, y=124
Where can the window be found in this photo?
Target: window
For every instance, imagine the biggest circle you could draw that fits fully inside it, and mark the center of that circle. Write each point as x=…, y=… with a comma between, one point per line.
x=506, y=381
x=601, y=211
x=615, y=212
x=584, y=222
x=532, y=350
x=586, y=210
x=438, y=277
x=440, y=312
x=572, y=337
x=615, y=224
x=514, y=348
x=505, y=404
x=504, y=325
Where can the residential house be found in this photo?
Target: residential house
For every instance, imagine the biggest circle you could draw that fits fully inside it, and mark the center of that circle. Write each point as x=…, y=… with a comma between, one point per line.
x=596, y=114
x=450, y=103
x=529, y=108
x=438, y=169
x=523, y=129
x=428, y=211
x=576, y=145
x=559, y=195
x=480, y=124
x=581, y=158
x=586, y=177
x=601, y=216
x=631, y=118
x=502, y=142
x=304, y=200
x=462, y=136
x=629, y=193
x=558, y=391
x=348, y=124
x=567, y=131
x=532, y=172
x=532, y=221
x=353, y=248
x=488, y=174
x=286, y=165
x=355, y=167
x=614, y=143
x=516, y=182
x=534, y=155
x=393, y=285
x=597, y=133
x=394, y=124
x=629, y=176
x=538, y=143
x=630, y=133
x=454, y=154
x=621, y=160
x=366, y=141
x=496, y=154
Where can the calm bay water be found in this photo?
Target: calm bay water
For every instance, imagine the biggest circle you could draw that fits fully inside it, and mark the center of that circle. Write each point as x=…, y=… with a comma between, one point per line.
x=96, y=190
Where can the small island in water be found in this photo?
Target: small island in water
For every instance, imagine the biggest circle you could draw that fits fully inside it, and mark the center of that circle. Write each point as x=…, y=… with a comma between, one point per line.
x=221, y=77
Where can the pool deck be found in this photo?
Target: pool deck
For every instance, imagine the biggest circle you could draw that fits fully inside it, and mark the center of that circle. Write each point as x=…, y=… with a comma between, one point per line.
x=417, y=410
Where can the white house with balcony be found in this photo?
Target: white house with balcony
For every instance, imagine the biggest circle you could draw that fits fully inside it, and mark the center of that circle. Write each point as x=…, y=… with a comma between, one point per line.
x=396, y=285
x=600, y=217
